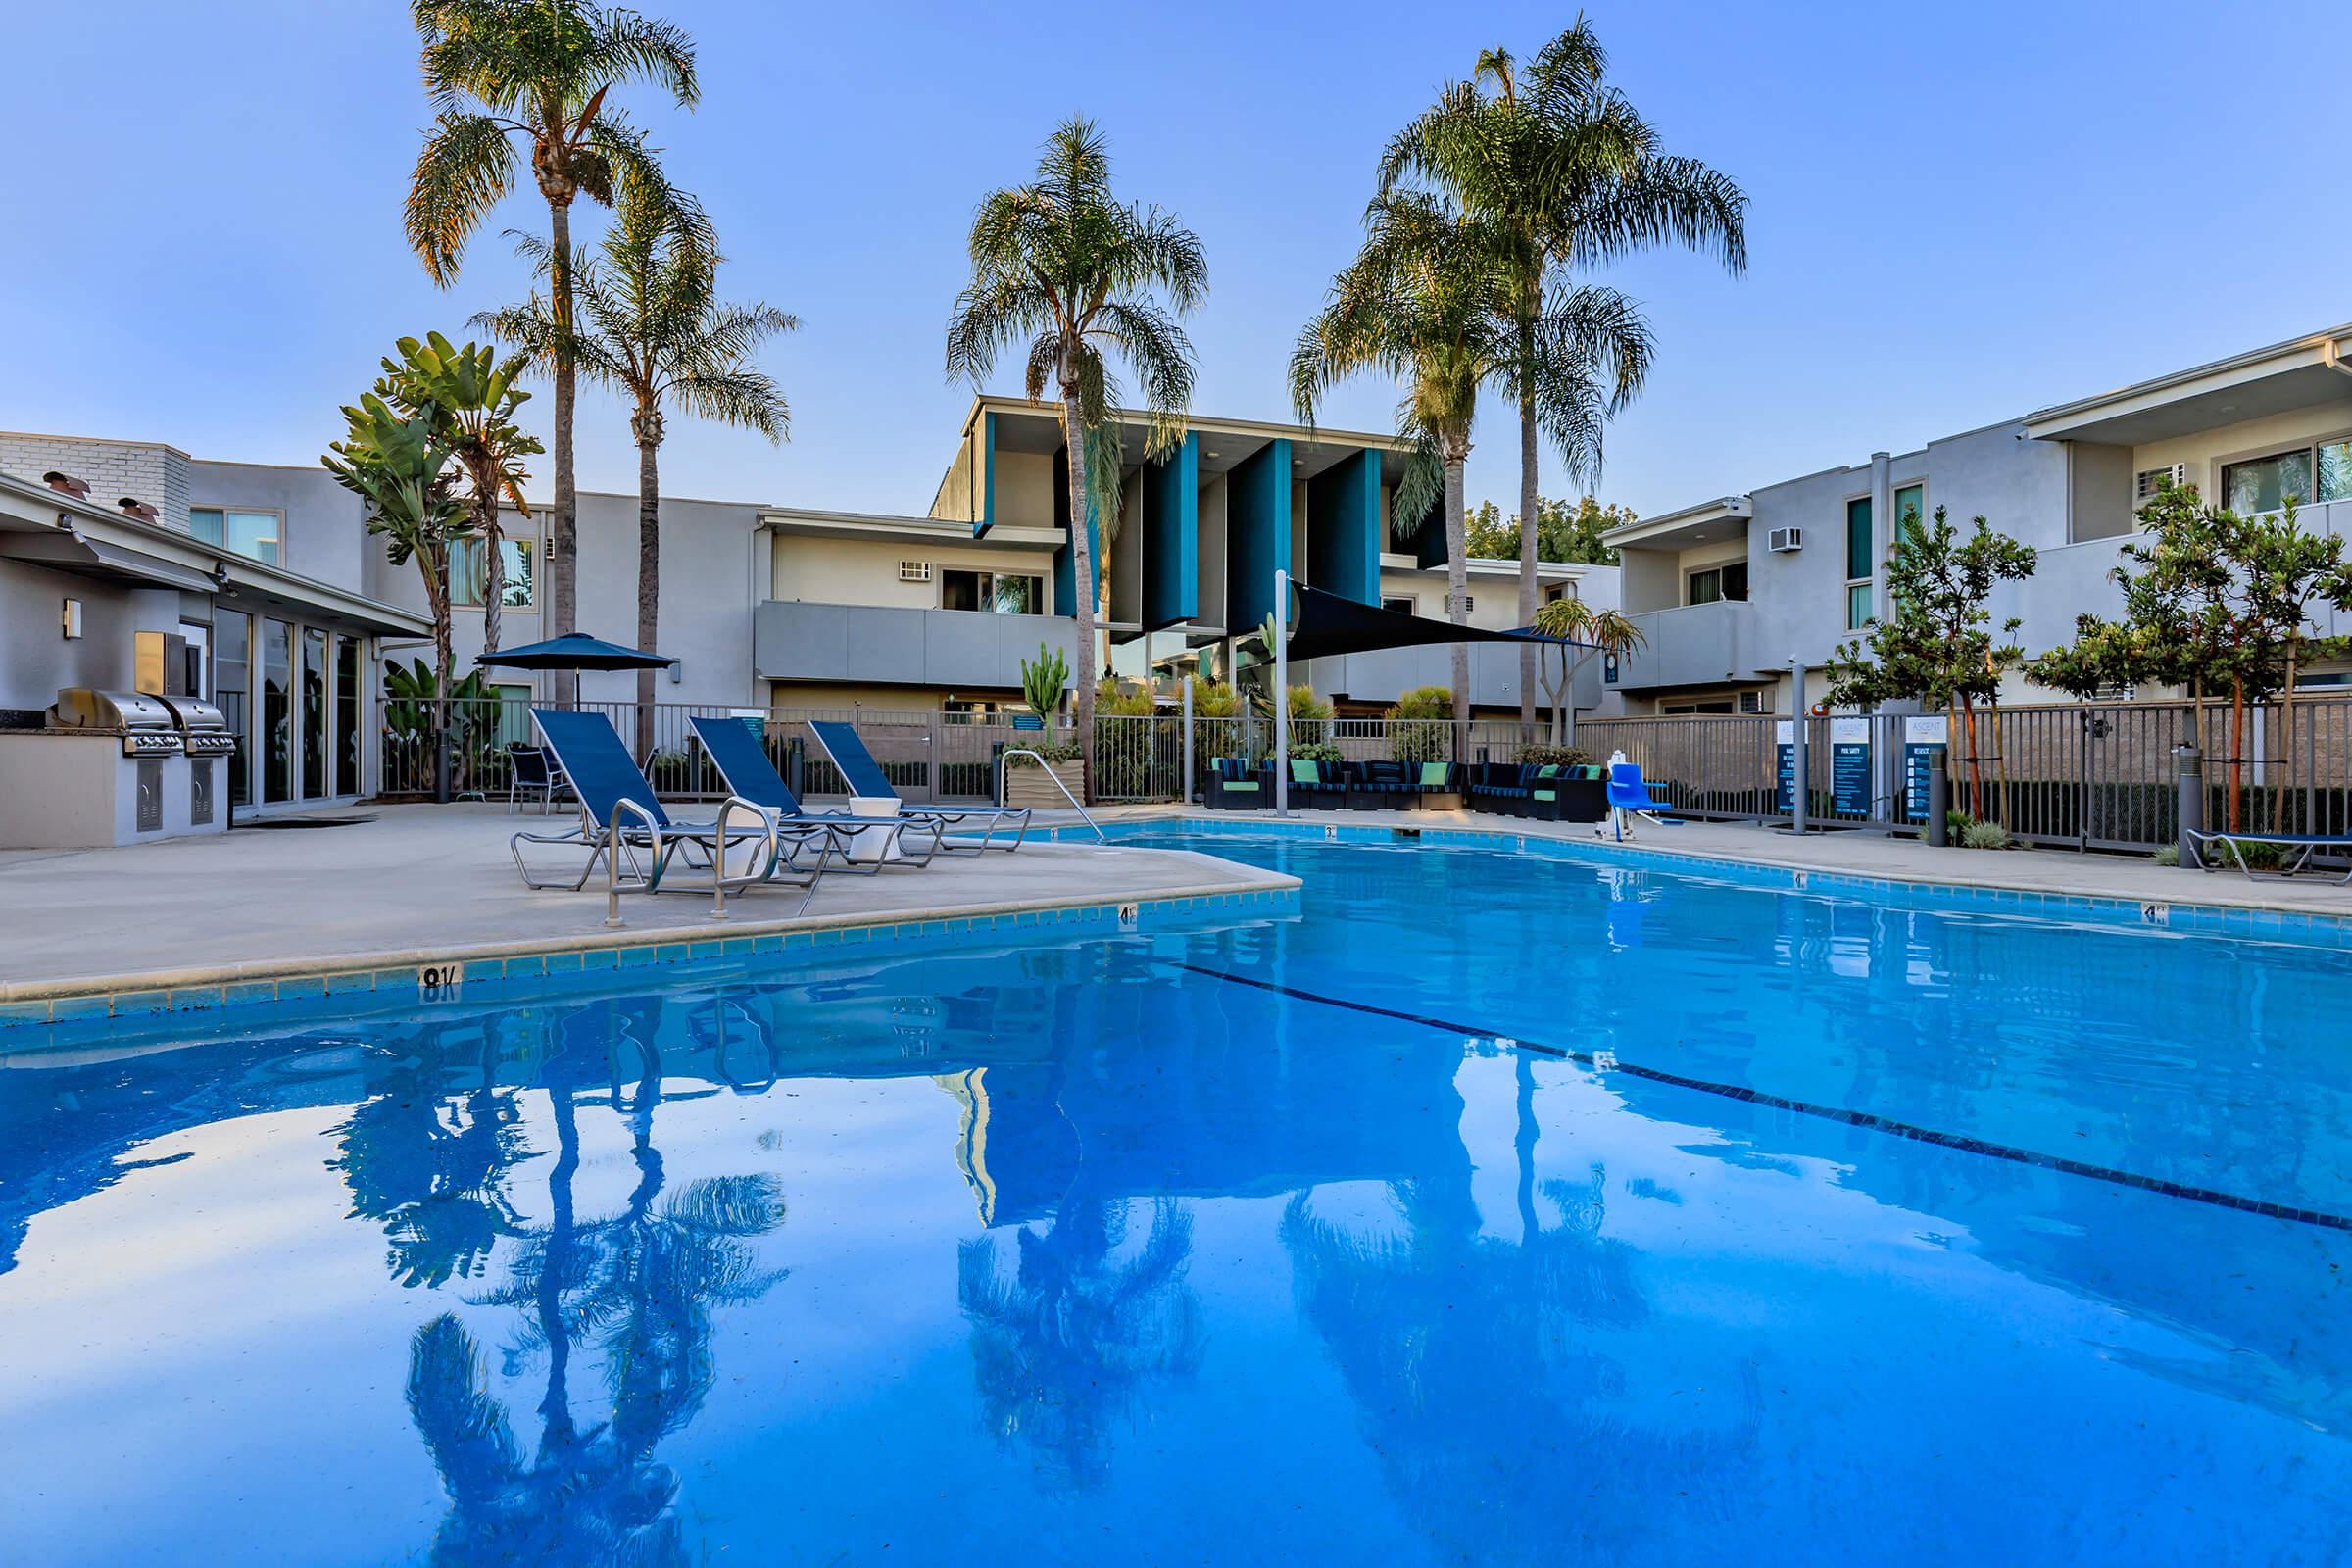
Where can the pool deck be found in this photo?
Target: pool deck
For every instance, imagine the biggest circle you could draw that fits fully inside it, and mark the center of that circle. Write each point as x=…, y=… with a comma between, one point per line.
x=421, y=884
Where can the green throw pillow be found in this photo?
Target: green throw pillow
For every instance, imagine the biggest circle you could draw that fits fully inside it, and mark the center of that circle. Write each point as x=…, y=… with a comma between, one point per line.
x=1305, y=772
x=1433, y=775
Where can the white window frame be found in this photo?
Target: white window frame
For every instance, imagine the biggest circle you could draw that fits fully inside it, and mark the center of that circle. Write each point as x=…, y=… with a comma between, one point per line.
x=223, y=508
x=2223, y=463
x=529, y=542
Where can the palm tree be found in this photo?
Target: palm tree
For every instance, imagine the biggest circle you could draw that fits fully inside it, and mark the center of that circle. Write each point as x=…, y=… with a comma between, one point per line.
x=1421, y=302
x=651, y=327
x=542, y=72
x=1574, y=176
x=1611, y=632
x=1066, y=267
x=473, y=398
x=398, y=464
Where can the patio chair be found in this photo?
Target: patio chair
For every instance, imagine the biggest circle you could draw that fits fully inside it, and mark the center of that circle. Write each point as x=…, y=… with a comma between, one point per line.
x=866, y=780
x=1315, y=784
x=1629, y=795
x=1233, y=785
x=2295, y=849
x=531, y=771
x=1435, y=778
x=750, y=776
x=1378, y=785
x=622, y=823
x=1502, y=788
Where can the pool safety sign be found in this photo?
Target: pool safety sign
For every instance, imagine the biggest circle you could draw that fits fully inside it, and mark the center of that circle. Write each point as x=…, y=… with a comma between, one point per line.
x=1849, y=766
x=1787, y=803
x=1922, y=734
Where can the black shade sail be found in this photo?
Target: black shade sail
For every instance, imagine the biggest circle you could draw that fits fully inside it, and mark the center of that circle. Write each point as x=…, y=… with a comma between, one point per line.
x=574, y=650
x=1328, y=624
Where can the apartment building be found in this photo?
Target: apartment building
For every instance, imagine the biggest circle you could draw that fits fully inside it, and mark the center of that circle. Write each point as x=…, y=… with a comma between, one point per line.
x=284, y=611
x=1732, y=592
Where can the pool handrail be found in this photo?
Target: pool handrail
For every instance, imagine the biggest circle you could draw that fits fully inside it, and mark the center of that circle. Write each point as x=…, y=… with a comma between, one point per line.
x=1048, y=769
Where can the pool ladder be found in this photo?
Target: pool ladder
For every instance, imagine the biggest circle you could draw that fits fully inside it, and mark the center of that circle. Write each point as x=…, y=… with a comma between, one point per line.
x=1047, y=769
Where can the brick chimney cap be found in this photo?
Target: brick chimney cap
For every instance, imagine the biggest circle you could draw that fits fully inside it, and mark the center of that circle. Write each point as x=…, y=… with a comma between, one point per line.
x=58, y=480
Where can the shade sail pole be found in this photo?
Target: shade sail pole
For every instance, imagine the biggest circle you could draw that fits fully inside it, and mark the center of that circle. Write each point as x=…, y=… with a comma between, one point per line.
x=1281, y=692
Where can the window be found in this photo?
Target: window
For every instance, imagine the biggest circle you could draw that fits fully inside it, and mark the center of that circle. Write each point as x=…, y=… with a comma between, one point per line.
x=1712, y=704
x=277, y=712
x=232, y=687
x=1469, y=604
x=256, y=534
x=1910, y=506
x=467, y=561
x=1400, y=604
x=1553, y=593
x=1755, y=702
x=2308, y=473
x=347, y=715
x=1710, y=583
x=914, y=571
x=314, y=714
x=1001, y=593
x=1857, y=561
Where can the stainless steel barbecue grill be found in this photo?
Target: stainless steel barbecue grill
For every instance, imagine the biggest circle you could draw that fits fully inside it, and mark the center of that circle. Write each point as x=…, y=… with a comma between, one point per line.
x=146, y=725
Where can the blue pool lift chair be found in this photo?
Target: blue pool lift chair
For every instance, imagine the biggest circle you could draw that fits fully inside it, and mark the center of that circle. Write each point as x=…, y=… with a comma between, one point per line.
x=847, y=748
x=1629, y=795
x=625, y=830
x=743, y=763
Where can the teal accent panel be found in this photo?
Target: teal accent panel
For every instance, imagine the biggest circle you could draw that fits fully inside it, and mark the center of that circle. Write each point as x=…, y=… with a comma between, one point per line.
x=1066, y=563
x=1172, y=537
x=1257, y=533
x=988, y=476
x=1342, y=528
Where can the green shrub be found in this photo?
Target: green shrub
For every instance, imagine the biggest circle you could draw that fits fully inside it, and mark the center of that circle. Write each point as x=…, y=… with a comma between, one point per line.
x=1552, y=756
x=2167, y=855
x=1986, y=836
x=1956, y=824
x=1311, y=720
x=1318, y=752
x=1051, y=750
x=1421, y=725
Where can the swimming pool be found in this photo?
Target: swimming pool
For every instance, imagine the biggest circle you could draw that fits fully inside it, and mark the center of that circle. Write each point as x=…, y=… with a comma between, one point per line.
x=1495, y=1209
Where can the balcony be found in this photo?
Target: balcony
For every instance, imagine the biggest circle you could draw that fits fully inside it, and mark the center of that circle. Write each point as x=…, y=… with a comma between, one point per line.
x=1692, y=645
x=871, y=644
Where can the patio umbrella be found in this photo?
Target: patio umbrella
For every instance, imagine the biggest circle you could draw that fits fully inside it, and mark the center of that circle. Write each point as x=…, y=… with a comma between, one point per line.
x=574, y=650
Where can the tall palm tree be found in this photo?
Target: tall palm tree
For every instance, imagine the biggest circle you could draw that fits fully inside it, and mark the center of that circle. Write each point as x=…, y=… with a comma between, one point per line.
x=651, y=327
x=1064, y=264
x=1574, y=176
x=474, y=399
x=1422, y=302
x=540, y=72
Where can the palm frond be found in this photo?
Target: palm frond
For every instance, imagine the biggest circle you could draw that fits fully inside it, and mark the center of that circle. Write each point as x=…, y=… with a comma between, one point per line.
x=464, y=168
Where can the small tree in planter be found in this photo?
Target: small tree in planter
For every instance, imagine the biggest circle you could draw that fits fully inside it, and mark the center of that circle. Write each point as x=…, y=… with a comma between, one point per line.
x=1938, y=648
x=1043, y=681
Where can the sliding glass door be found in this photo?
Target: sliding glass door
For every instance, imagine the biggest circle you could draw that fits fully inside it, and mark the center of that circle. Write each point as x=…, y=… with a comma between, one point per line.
x=314, y=713
x=277, y=712
x=347, y=715
x=232, y=694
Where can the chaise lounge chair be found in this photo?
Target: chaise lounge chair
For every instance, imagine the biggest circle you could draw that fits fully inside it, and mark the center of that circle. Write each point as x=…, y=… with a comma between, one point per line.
x=622, y=823
x=1629, y=795
x=868, y=781
x=2296, y=849
x=743, y=763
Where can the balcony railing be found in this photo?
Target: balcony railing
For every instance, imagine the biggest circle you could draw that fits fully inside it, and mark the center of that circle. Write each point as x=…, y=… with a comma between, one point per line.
x=1691, y=645
x=899, y=646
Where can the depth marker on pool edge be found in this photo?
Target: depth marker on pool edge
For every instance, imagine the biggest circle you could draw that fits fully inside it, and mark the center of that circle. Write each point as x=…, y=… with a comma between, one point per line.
x=1801, y=1108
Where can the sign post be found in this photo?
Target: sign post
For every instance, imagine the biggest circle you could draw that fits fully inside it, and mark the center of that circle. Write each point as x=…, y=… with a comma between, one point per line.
x=1281, y=692
x=1849, y=767
x=1923, y=733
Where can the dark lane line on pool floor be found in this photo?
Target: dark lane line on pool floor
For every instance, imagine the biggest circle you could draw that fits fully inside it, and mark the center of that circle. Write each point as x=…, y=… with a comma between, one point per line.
x=1802, y=1107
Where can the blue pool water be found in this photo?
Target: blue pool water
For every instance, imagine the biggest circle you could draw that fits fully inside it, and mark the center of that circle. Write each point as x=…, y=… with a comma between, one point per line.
x=1493, y=1210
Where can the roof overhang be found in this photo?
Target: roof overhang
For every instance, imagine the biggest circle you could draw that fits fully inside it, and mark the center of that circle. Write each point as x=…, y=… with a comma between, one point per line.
x=1707, y=522
x=2300, y=373
x=800, y=523
x=40, y=525
x=1036, y=427
x=1484, y=566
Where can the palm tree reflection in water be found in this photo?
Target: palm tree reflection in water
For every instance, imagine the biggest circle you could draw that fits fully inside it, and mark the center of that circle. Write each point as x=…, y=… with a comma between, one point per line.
x=1066, y=1347
x=638, y=1290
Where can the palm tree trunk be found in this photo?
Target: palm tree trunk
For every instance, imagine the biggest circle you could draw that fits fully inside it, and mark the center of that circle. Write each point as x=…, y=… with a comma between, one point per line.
x=1457, y=587
x=1529, y=503
x=649, y=578
x=494, y=569
x=1082, y=576
x=563, y=528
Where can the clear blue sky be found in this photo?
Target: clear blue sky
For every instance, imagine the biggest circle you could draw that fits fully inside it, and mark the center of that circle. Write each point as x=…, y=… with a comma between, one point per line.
x=1959, y=213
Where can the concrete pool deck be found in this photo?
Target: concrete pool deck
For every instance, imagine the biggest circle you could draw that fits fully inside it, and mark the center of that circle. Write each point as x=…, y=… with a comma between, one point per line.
x=422, y=884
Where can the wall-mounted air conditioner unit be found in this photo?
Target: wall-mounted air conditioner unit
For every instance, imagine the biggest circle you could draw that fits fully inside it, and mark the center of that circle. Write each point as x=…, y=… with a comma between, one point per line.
x=914, y=571
x=1784, y=541
x=2146, y=482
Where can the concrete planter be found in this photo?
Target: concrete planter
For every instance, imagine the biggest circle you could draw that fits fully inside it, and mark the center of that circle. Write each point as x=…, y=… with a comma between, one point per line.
x=1026, y=784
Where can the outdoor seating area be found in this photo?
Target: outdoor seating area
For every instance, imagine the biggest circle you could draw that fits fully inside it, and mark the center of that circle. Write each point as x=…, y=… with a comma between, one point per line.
x=1381, y=784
